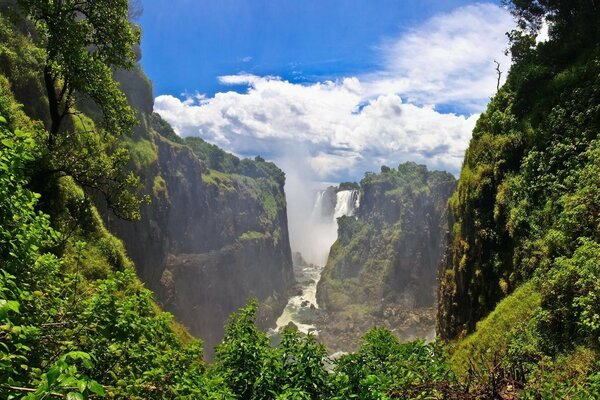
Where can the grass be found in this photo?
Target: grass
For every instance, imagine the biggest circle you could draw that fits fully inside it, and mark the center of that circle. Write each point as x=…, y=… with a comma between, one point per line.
x=143, y=153
x=221, y=180
x=492, y=334
x=253, y=235
x=159, y=187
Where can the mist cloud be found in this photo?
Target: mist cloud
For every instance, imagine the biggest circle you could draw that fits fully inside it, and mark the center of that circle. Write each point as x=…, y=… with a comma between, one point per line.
x=337, y=130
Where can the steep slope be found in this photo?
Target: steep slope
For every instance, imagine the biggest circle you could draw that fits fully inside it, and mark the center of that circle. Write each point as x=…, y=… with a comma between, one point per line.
x=520, y=279
x=75, y=320
x=527, y=194
x=382, y=269
x=215, y=233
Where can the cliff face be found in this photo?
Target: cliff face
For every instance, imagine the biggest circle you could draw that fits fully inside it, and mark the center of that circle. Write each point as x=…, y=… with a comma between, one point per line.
x=210, y=239
x=525, y=197
x=382, y=269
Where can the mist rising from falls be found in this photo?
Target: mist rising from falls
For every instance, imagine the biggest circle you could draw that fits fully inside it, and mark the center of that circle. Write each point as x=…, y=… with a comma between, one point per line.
x=328, y=206
x=318, y=233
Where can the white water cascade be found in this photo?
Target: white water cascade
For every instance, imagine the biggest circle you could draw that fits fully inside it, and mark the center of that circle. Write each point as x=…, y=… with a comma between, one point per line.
x=329, y=205
x=347, y=201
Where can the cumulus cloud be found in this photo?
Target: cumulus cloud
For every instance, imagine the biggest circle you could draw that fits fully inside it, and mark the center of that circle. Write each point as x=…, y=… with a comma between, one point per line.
x=336, y=130
x=355, y=124
x=449, y=59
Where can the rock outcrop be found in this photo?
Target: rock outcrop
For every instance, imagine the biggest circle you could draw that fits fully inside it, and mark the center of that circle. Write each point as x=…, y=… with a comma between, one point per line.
x=209, y=239
x=382, y=269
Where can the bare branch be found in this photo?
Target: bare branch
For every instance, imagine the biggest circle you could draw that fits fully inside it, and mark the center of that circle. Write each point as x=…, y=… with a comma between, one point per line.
x=499, y=72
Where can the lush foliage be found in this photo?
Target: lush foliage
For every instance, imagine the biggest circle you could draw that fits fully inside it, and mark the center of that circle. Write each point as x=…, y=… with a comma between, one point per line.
x=523, y=258
x=62, y=331
x=69, y=66
x=219, y=160
x=528, y=191
x=298, y=368
x=525, y=218
x=83, y=40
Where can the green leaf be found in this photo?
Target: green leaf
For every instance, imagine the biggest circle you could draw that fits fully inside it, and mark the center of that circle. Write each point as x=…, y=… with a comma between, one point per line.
x=87, y=364
x=8, y=305
x=74, y=396
x=3, y=120
x=8, y=142
x=81, y=385
x=96, y=388
x=78, y=355
x=69, y=382
x=52, y=375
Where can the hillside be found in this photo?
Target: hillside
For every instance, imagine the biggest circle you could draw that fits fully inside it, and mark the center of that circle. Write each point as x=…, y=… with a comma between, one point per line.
x=382, y=269
x=215, y=232
x=525, y=214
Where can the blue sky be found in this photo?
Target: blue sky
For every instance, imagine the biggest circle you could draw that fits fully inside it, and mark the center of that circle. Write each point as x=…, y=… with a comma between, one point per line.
x=328, y=89
x=188, y=44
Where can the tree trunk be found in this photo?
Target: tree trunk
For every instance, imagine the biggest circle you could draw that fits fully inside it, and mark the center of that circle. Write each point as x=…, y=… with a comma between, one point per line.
x=53, y=106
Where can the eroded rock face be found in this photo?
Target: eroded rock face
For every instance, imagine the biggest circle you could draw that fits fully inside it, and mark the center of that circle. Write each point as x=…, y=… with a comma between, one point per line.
x=382, y=269
x=209, y=240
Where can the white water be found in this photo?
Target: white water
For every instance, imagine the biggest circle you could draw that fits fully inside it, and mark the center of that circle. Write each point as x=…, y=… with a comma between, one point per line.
x=300, y=306
x=347, y=202
x=324, y=228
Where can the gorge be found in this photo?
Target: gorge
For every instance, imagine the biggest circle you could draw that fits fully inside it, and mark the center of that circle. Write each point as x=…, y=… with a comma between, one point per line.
x=138, y=262
x=302, y=309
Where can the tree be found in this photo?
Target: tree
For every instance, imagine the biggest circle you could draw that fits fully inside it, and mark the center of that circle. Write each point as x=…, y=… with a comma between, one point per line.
x=564, y=17
x=84, y=40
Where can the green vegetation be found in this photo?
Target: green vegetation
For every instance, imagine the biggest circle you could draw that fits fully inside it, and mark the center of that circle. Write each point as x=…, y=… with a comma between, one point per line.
x=491, y=339
x=386, y=256
x=525, y=224
x=519, y=291
x=253, y=235
x=219, y=160
x=82, y=42
x=50, y=73
x=68, y=329
x=383, y=368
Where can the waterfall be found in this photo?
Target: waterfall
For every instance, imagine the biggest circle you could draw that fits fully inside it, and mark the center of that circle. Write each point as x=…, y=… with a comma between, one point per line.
x=317, y=211
x=328, y=206
x=347, y=202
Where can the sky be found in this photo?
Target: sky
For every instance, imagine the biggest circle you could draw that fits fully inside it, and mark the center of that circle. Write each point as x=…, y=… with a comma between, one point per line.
x=328, y=89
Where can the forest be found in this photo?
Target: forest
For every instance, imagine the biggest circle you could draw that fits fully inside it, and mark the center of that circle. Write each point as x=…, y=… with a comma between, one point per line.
x=518, y=285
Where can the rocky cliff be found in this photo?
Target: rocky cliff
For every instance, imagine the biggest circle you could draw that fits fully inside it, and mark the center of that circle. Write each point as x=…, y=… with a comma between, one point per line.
x=382, y=268
x=524, y=199
x=215, y=232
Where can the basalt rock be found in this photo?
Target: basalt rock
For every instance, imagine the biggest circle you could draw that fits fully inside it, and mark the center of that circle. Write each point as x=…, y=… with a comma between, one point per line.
x=382, y=269
x=210, y=239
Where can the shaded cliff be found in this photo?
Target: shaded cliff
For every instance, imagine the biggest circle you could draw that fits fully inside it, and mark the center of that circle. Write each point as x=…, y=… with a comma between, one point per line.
x=526, y=192
x=215, y=232
x=382, y=268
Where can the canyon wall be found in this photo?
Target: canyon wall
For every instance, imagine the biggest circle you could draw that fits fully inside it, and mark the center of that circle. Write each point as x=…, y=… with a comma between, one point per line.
x=382, y=269
x=215, y=232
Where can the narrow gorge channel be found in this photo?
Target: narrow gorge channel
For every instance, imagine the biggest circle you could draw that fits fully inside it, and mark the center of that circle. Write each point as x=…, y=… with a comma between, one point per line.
x=302, y=308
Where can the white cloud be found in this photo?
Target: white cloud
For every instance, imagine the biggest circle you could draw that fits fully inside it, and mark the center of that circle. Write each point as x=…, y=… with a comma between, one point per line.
x=356, y=124
x=333, y=131
x=449, y=59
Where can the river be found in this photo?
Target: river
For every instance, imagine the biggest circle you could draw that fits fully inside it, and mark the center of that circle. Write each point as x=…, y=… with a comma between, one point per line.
x=302, y=307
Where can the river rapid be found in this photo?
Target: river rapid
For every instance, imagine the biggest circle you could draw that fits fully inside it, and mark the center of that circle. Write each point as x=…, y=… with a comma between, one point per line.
x=302, y=307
